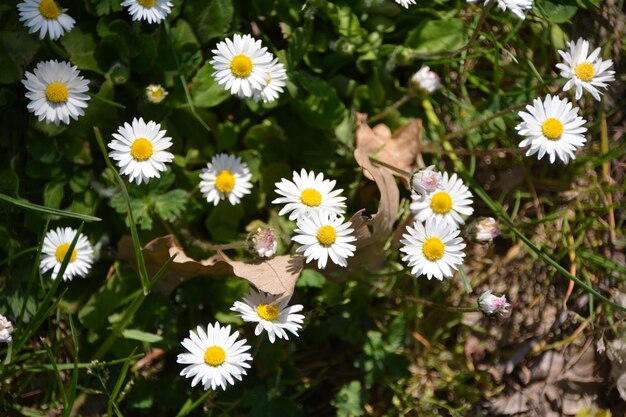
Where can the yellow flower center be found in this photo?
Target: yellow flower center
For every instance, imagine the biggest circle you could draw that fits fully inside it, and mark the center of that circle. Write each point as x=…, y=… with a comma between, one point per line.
x=241, y=66
x=49, y=9
x=585, y=71
x=147, y=3
x=57, y=92
x=552, y=128
x=214, y=356
x=62, y=251
x=326, y=235
x=311, y=197
x=141, y=149
x=225, y=181
x=267, y=311
x=433, y=248
x=441, y=202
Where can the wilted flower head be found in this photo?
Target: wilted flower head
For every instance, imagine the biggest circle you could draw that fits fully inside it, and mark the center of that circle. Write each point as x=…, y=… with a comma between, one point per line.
x=263, y=242
x=425, y=181
x=6, y=328
x=483, y=230
x=425, y=80
x=155, y=93
x=490, y=304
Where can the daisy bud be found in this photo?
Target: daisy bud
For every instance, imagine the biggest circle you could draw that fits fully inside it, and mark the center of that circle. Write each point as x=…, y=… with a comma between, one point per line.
x=6, y=328
x=425, y=81
x=490, y=305
x=483, y=230
x=155, y=93
x=119, y=73
x=425, y=181
x=263, y=242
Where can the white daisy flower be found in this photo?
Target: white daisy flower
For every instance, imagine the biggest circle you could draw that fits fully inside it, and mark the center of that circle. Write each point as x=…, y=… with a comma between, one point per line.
x=585, y=72
x=56, y=92
x=425, y=80
x=225, y=177
x=241, y=64
x=308, y=193
x=45, y=17
x=151, y=10
x=55, y=246
x=274, y=318
x=276, y=74
x=450, y=203
x=434, y=249
x=155, y=93
x=322, y=235
x=140, y=150
x=216, y=357
x=6, y=328
x=516, y=7
x=405, y=3
x=490, y=304
x=552, y=126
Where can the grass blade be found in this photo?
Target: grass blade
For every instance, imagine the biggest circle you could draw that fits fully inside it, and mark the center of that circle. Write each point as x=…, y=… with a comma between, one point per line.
x=26, y=205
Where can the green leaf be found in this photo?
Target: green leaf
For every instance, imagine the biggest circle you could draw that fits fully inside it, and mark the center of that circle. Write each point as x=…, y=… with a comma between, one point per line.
x=16, y=50
x=205, y=92
x=81, y=46
x=298, y=44
x=53, y=194
x=209, y=19
x=142, y=336
x=186, y=46
x=311, y=278
x=350, y=399
x=170, y=206
x=437, y=36
x=322, y=107
x=559, y=12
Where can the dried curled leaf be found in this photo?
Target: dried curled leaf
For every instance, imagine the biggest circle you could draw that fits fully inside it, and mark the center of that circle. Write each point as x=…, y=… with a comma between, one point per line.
x=276, y=276
x=399, y=149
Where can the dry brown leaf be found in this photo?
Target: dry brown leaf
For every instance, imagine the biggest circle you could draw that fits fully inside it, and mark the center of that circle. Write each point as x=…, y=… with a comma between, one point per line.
x=399, y=149
x=276, y=276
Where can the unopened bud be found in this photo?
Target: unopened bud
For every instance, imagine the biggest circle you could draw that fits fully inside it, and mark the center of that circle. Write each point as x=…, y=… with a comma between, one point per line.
x=490, y=305
x=425, y=80
x=483, y=230
x=263, y=242
x=425, y=181
x=155, y=93
x=119, y=73
x=6, y=328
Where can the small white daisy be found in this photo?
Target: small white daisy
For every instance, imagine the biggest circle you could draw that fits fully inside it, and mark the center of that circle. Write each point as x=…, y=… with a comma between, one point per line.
x=216, y=357
x=274, y=318
x=308, y=193
x=275, y=81
x=425, y=80
x=323, y=235
x=449, y=203
x=155, y=93
x=516, y=7
x=405, y=3
x=263, y=242
x=225, y=177
x=434, y=249
x=552, y=126
x=140, y=150
x=55, y=246
x=45, y=17
x=241, y=64
x=425, y=181
x=56, y=92
x=6, y=328
x=151, y=10
x=490, y=304
x=585, y=72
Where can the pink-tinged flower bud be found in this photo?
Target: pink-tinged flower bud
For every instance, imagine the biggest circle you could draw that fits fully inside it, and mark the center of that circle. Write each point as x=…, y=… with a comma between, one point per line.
x=490, y=305
x=483, y=230
x=263, y=242
x=425, y=181
x=6, y=328
x=425, y=80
